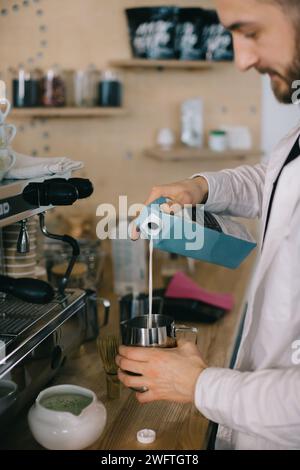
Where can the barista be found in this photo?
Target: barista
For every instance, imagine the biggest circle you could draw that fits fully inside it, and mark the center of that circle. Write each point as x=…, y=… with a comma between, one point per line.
x=257, y=404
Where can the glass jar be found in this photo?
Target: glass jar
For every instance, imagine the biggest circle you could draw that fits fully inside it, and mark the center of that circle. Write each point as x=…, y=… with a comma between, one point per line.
x=218, y=140
x=53, y=88
x=85, y=84
x=110, y=89
x=171, y=266
x=89, y=265
x=26, y=88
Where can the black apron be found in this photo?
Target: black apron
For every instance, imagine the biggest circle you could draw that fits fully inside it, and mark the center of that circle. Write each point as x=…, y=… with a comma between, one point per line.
x=294, y=153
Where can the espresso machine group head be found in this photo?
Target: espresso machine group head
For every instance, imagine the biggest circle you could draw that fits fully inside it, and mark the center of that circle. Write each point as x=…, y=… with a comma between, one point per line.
x=58, y=191
x=51, y=192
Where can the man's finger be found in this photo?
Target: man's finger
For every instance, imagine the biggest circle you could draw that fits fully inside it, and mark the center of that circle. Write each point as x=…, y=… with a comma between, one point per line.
x=134, y=381
x=171, y=207
x=137, y=354
x=156, y=193
x=128, y=365
x=168, y=191
x=134, y=231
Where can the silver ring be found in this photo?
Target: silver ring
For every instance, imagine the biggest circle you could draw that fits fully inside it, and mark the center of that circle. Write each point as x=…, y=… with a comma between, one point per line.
x=140, y=389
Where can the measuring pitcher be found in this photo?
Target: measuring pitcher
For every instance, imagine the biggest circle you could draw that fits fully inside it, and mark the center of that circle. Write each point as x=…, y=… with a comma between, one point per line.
x=162, y=334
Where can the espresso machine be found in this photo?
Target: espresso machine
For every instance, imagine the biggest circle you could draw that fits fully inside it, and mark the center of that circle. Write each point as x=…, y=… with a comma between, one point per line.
x=39, y=326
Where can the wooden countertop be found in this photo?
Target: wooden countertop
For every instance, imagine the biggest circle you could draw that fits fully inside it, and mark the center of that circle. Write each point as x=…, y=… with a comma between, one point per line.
x=178, y=427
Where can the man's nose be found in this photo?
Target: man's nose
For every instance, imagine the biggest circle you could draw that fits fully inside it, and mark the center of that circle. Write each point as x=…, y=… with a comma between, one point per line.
x=245, y=55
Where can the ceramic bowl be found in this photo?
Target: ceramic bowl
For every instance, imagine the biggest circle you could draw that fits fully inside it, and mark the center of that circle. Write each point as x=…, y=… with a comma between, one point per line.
x=62, y=430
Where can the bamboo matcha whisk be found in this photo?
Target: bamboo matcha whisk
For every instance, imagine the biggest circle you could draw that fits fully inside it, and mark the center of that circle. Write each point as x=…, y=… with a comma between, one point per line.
x=108, y=348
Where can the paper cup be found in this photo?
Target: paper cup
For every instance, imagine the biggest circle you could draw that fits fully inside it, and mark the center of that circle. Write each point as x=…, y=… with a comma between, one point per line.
x=20, y=269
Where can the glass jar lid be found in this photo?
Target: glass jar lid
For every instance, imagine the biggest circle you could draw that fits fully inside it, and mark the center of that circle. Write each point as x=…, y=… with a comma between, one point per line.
x=218, y=132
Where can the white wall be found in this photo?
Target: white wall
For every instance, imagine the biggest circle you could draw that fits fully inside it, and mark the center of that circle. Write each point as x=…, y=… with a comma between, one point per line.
x=277, y=119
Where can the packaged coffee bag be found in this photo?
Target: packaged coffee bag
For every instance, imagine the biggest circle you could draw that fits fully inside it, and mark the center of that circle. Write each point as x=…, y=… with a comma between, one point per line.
x=163, y=26
x=138, y=20
x=189, y=32
x=152, y=31
x=216, y=40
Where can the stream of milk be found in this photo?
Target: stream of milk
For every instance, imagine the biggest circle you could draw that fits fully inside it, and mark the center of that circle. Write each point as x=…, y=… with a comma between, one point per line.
x=150, y=283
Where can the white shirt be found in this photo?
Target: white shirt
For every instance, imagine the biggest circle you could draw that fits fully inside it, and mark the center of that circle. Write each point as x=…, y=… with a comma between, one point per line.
x=258, y=404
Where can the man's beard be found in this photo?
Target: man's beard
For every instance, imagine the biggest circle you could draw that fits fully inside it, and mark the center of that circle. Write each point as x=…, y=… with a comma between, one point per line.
x=282, y=84
x=283, y=89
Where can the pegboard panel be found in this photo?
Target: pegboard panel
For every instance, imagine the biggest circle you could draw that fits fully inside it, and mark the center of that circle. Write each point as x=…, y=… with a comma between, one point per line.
x=77, y=33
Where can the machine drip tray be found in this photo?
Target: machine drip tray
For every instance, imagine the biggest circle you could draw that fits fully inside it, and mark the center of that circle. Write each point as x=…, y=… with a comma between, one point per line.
x=16, y=316
x=35, y=341
x=24, y=325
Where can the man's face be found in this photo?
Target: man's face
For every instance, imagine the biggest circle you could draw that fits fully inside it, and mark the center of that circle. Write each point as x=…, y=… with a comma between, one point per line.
x=264, y=38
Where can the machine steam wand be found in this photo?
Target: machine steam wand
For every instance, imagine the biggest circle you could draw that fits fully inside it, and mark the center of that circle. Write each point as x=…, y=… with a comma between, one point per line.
x=66, y=239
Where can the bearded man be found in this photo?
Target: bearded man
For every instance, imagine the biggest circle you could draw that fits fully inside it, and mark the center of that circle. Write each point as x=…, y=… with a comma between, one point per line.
x=257, y=403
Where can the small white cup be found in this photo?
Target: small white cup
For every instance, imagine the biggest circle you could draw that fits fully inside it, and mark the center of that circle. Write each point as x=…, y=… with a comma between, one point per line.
x=166, y=138
x=5, y=107
x=7, y=134
x=7, y=161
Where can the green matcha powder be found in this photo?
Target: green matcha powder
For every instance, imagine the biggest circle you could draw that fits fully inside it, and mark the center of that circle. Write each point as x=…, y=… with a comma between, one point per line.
x=70, y=402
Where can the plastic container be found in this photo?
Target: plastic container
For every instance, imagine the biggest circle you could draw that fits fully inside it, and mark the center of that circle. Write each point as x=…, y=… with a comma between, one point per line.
x=129, y=263
x=197, y=234
x=146, y=436
x=192, y=122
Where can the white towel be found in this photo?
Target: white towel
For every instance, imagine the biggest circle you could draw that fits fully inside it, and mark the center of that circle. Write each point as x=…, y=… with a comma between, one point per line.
x=27, y=167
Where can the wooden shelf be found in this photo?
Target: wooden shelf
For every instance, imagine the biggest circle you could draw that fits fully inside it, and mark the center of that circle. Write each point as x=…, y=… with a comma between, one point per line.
x=166, y=64
x=188, y=154
x=67, y=112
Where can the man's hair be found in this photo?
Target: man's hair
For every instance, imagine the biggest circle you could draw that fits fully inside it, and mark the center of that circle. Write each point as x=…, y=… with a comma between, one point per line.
x=290, y=7
x=285, y=4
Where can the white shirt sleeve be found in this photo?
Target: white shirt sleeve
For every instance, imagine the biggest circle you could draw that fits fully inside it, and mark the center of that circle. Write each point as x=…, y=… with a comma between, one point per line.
x=237, y=192
x=264, y=403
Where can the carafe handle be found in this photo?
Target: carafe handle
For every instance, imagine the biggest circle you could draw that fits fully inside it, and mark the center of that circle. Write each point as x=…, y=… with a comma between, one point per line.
x=187, y=329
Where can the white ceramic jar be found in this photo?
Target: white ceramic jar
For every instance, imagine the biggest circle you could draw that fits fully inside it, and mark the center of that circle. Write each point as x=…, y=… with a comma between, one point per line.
x=166, y=138
x=62, y=430
x=218, y=140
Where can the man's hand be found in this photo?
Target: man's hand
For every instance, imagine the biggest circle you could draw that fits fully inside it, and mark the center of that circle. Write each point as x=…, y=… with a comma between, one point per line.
x=168, y=374
x=190, y=191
